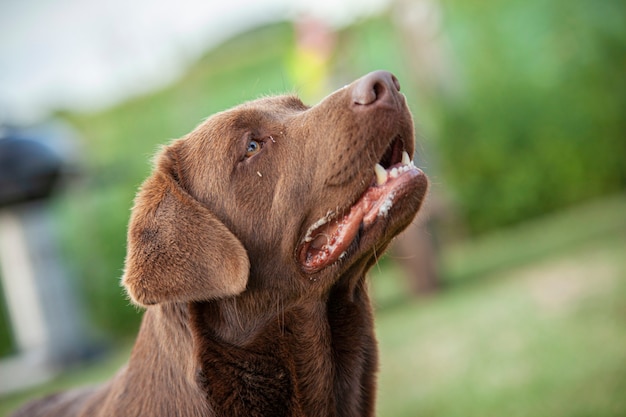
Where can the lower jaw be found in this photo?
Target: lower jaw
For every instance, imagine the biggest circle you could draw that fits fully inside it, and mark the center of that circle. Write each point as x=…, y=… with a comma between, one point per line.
x=370, y=225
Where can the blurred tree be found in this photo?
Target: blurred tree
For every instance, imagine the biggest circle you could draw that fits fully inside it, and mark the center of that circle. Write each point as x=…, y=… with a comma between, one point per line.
x=420, y=32
x=538, y=123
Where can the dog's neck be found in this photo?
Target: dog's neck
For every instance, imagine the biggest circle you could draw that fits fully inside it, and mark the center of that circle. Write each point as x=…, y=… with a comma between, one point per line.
x=284, y=355
x=237, y=320
x=278, y=360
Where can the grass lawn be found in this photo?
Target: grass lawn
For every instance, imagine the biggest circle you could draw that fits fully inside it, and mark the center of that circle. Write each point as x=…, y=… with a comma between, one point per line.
x=533, y=325
x=543, y=336
x=547, y=339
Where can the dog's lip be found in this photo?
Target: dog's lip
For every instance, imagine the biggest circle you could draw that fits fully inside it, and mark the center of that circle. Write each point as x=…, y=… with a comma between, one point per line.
x=328, y=239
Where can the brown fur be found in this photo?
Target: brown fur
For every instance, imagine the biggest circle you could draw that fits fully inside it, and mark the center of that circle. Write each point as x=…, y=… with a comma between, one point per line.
x=236, y=324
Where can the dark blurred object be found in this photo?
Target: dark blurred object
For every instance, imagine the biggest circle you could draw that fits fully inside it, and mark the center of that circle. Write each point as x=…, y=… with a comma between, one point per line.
x=416, y=252
x=29, y=170
x=47, y=325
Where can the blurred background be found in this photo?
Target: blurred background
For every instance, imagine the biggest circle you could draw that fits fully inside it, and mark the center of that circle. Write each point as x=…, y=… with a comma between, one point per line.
x=506, y=297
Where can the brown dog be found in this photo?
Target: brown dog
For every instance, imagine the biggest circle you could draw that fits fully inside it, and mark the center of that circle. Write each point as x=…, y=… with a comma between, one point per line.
x=249, y=246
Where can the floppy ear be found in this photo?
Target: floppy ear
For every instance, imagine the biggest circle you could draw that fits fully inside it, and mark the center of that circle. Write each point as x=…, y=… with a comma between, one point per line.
x=177, y=249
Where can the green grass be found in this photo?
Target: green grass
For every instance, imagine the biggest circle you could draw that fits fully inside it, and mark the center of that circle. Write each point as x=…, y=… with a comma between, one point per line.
x=532, y=323
x=540, y=238
x=537, y=327
x=546, y=339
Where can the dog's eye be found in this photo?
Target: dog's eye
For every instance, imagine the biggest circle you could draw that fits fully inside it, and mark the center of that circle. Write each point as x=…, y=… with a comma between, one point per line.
x=253, y=147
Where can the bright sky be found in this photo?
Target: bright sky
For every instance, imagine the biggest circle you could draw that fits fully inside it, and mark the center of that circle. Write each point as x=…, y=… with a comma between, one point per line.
x=87, y=54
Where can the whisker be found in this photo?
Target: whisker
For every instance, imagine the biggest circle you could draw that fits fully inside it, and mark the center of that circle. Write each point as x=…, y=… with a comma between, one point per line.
x=377, y=261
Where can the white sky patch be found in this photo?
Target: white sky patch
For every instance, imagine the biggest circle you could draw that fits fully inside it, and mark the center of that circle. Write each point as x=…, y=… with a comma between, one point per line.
x=89, y=54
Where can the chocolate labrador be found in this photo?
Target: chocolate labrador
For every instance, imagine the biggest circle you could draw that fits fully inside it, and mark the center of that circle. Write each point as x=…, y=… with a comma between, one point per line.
x=249, y=245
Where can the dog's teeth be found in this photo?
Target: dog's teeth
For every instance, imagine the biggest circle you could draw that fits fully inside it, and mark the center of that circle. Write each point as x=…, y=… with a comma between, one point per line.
x=381, y=174
x=405, y=158
x=386, y=206
x=394, y=173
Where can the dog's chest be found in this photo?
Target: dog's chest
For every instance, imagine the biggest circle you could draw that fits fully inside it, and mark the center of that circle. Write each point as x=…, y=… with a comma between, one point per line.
x=248, y=384
x=289, y=369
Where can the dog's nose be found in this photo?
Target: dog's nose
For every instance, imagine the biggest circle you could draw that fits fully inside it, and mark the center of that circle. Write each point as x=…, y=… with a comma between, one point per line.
x=375, y=87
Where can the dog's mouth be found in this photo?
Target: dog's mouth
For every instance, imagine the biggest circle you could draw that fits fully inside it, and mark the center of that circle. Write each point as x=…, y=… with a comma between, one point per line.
x=331, y=238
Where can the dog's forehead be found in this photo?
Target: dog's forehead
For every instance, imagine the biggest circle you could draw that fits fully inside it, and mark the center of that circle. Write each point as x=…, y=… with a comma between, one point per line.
x=255, y=116
x=253, y=113
x=276, y=104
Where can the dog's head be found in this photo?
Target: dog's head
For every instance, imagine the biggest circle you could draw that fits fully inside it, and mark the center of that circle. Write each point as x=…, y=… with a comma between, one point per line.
x=275, y=195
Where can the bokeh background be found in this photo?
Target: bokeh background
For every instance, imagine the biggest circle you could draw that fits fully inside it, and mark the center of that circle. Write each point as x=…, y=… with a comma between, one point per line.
x=521, y=114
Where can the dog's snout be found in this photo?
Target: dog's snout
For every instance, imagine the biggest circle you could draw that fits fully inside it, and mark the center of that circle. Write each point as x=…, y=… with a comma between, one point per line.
x=375, y=87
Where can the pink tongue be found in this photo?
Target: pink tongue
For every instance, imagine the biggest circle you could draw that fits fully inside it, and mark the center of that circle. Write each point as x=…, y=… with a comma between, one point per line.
x=333, y=238
x=319, y=242
x=331, y=241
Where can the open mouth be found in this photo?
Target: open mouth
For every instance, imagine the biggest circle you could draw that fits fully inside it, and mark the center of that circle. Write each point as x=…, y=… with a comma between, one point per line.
x=330, y=238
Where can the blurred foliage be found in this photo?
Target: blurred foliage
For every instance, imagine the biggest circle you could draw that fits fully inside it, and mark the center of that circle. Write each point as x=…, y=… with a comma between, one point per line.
x=538, y=123
x=6, y=342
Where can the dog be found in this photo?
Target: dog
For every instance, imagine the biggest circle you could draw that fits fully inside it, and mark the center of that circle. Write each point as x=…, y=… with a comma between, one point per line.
x=248, y=246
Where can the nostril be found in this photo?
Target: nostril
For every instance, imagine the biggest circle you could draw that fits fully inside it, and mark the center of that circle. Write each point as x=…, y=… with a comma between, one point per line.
x=395, y=81
x=373, y=87
x=379, y=90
